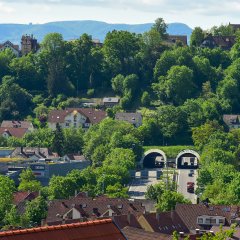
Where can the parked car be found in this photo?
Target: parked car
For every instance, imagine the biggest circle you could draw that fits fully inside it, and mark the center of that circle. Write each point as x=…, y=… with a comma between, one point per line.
x=190, y=187
x=190, y=174
x=192, y=171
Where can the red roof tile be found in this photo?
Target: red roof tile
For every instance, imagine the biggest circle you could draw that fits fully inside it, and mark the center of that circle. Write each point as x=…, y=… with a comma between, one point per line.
x=93, y=115
x=14, y=132
x=93, y=208
x=22, y=196
x=16, y=124
x=93, y=230
x=139, y=234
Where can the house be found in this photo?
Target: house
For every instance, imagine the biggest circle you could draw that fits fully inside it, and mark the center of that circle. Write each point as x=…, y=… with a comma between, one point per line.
x=9, y=45
x=97, y=43
x=17, y=124
x=86, y=208
x=74, y=157
x=29, y=44
x=177, y=38
x=235, y=27
x=190, y=219
x=223, y=42
x=109, y=102
x=232, y=121
x=15, y=128
x=75, y=117
x=32, y=153
x=20, y=199
x=100, y=229
x=13, y=132
x=134, y=118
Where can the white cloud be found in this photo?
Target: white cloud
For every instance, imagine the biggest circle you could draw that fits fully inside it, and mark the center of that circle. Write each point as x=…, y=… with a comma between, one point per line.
x=4, y=8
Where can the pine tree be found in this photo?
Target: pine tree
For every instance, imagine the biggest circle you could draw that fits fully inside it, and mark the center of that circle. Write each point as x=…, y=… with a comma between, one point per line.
x=58, y=140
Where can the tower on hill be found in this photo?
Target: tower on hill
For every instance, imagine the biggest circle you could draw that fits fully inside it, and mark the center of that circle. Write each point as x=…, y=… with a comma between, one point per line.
x=29, y=44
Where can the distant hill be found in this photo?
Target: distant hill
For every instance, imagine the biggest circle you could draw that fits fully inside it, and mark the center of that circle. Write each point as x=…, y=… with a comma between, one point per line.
x=74, y=29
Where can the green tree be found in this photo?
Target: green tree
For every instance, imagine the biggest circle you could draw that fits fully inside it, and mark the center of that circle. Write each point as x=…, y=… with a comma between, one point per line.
x=222, y=30
x=161, y=27
x=197, y=37
x=145, y=99
x=117, y=191
x=201, y=134
x=15, y=101
x=177, y=86
x=117, y=83
x=61, y=187
x=12, y=218
x=58, y=140
x=7, y=187
x=28, y=181
x=40, y=138
x=36, y=210
x=120, y=49
x=73, y=140
x=168, y=200
x=121, y=157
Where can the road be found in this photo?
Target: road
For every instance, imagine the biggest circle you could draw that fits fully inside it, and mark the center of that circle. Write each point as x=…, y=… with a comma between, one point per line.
x=183, y=178
x=139, y=185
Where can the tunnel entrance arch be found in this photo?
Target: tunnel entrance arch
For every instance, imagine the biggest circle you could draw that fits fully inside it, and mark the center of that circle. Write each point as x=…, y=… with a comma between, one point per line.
x=187, y=159
x=153, y=158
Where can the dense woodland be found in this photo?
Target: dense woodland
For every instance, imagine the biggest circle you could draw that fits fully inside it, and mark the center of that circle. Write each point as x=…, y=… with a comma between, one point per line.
x=182, y=92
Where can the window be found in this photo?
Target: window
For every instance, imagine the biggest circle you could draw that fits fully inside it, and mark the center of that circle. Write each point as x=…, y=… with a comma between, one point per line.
x=75, y=117
x=207, y=220
x=212, y=220
x=221, y=221
x=67, y=124
x=200, y=220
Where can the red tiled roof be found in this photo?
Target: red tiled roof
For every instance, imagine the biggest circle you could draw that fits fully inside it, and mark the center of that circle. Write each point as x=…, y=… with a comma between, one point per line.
x=123, y=221
x=93, y=115
x=93, y=230
x=166, y=222
x=92, y=208
x=22, y=196
x=14, y=132
x=140, y=234
x=190, y=212
x=17, y=124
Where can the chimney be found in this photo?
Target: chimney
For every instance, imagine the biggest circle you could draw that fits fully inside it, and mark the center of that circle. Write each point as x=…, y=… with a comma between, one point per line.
x=76, y=193
x=181, y=234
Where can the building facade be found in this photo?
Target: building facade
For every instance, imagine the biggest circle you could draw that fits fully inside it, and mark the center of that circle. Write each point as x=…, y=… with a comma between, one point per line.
x=75, y=117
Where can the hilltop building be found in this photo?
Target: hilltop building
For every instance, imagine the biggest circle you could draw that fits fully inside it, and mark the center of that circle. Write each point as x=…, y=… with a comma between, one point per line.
x=29, y=44
x=223, y=42
x=9, y=45
x=177, y=38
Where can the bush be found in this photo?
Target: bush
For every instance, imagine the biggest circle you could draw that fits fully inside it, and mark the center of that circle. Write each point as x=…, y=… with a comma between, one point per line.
x=90, y=92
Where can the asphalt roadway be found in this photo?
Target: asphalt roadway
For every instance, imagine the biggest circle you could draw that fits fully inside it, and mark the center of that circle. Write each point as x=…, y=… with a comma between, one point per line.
x=183, y=179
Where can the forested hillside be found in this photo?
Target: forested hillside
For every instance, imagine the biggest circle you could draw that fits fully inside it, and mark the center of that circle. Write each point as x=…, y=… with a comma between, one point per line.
x=182, y=92
x=73, y=29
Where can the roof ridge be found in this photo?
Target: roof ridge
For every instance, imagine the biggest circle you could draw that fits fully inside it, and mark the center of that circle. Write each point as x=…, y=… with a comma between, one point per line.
x=56, y=227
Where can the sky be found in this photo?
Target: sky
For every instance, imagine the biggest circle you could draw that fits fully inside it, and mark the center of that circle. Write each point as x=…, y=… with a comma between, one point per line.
x=203, y=13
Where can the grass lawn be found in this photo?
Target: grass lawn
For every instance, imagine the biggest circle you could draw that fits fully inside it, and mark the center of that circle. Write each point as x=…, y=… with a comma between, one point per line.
x=170, y=151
